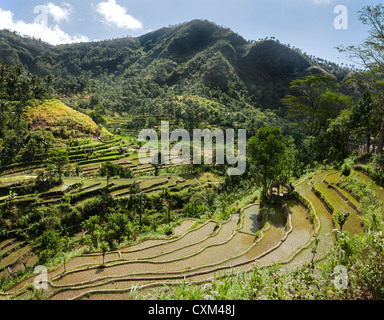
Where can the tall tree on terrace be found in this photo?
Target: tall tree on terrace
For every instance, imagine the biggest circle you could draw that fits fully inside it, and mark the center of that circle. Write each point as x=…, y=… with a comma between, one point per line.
x=138, y=200
x=337, y=136
x=365, y=118
x=5, y=106
x=166, y=196
x=369, y=55
x=267, y=152
x=306, y=104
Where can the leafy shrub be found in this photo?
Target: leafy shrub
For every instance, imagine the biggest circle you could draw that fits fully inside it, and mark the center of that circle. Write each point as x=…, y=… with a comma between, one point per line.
x=346, y=170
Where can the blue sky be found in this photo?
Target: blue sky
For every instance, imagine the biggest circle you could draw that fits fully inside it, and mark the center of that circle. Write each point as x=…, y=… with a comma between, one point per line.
x=305, y=24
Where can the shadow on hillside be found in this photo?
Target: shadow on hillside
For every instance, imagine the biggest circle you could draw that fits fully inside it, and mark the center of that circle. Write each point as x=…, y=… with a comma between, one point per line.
x=100, y=269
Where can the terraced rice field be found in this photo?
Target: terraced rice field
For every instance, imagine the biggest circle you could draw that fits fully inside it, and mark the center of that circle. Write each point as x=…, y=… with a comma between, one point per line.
x=89, y=164
x=302, y=231
x=199, y=253
x=349, y=196
x=334, y=178
x=320, y=177
x=14, y=255
x=184, y=227
x=377, y=189
x=256, y=236
x=90, y=185
x=353, y=223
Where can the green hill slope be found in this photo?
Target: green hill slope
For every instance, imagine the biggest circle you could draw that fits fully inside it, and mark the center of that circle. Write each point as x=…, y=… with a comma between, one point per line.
x=15, y=49
x=53, y=115
x=191, y=56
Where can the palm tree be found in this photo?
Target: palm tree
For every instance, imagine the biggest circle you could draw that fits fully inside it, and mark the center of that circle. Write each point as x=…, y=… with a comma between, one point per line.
x=12, y=196
x=4, y=111
x=140, y=205
x=223, y=204
x=210, y=201
x=135, y=188
x=314, y=250
x=64, y=263
x=137, y=192
x=166, y=197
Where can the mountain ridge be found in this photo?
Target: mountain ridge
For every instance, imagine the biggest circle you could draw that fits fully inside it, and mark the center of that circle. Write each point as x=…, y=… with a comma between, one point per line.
x=198, y=52
x=190, y=37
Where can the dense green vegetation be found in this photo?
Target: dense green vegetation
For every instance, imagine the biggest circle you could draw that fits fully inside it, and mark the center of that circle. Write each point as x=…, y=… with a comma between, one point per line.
x=74, y=197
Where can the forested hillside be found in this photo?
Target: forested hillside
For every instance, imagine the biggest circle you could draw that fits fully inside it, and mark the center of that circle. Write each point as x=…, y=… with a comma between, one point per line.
x=196, y=75
x=197, y=57
x=76, y=199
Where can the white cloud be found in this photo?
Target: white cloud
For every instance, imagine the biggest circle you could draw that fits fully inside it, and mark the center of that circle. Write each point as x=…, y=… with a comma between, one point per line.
x=59, y=14
x=116, y=16
x=53, y=35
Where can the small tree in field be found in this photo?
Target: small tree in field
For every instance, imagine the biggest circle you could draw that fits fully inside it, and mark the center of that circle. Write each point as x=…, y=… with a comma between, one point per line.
x=104, y=249
x=58, y=159
x=108, y=169
x=341, y=218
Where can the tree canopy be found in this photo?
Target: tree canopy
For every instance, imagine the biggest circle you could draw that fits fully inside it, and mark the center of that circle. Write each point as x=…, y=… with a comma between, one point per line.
x=268, y=153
